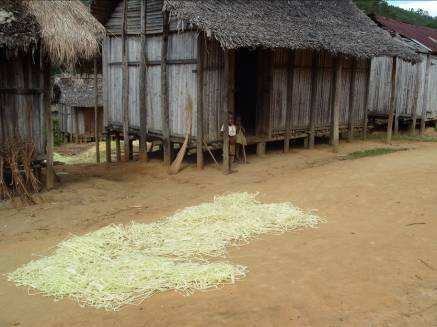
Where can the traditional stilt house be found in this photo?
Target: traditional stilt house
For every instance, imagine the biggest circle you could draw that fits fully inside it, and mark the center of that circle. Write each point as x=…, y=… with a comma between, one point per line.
x=75, y=103
x=290, y=69
x=416, y=85
x=34, y=35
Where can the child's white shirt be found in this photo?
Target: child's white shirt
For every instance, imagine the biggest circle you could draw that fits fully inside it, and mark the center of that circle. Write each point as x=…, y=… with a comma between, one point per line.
x=232, y=130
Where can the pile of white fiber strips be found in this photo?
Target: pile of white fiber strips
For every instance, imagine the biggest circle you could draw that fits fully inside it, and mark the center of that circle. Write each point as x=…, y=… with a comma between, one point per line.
x=119, y=265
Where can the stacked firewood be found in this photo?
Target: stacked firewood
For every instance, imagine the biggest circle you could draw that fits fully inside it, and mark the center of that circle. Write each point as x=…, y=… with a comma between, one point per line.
x=17, y=172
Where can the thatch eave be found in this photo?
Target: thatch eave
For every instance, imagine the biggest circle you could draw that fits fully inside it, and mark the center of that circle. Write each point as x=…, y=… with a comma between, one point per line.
x=65, y=29
x=336, y=26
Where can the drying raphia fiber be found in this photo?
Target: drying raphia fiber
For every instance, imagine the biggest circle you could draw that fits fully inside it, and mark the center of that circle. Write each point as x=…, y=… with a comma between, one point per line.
x=119, y=265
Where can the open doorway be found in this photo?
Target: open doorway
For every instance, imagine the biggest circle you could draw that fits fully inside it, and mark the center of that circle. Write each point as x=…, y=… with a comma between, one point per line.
x=246, y=88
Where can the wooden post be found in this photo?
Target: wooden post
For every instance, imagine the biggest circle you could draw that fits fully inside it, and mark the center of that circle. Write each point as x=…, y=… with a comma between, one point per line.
x=164, y=92
x=314, y=70
x=261, y=149
x=396, y=114
x=366, y=100
x=76, y=125
x=425, y=95
x=143, y=85
x=350, y=128
x=199, y=117
x=226, y=166
x=336, y=96
x=392, y=100
x=131, y=149
x=289, y=107
x=96, y=112
x=108, y=146
x=125, y=88
x=231, y=89
x=117, y=146
x=415, y=101
x=45, y=78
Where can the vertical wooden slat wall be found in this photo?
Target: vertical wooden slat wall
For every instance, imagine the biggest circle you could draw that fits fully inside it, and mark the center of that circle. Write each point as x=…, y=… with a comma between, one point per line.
x=21, y=100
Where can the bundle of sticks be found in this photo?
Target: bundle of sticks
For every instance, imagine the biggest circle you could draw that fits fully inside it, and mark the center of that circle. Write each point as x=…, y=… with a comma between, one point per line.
x=17, y=176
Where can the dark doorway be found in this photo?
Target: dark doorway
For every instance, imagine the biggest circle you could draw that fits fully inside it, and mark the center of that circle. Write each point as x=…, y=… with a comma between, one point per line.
x=246, y=88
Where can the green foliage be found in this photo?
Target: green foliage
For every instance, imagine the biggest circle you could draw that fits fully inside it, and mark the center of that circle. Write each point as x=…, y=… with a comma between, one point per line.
x=382, y=8
x=372, y=152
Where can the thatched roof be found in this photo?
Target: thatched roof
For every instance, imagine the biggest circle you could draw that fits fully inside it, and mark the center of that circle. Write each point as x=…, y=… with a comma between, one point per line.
x=78, y=91
x=337, y=26
x=66, y=29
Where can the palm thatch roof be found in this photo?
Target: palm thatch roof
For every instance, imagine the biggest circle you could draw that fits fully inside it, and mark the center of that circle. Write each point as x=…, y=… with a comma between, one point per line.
x=78, y=91
x=66, y=29
x=336, y=26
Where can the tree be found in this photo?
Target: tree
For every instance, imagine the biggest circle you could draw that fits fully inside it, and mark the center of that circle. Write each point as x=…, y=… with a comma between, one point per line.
x=382, y=8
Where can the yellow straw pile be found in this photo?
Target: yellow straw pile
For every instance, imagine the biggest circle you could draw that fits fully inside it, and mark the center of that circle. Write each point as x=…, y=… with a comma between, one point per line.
x=119, y=265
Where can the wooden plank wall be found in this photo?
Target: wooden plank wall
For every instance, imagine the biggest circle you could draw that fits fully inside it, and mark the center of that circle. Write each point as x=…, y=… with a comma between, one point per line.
x=153, y=18
x=302, y=87
x=21, y=115
x=182, y=54
x=83, y=117
x=214, y=90
x=380, y=87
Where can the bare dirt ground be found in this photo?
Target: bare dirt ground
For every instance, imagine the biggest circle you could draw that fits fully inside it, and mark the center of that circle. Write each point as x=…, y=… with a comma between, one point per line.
x=374, y=263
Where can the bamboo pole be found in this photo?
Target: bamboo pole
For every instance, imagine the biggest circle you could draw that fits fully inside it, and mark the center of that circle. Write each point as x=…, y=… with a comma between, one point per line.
x=415, y=101
x=336, y=99
x=108, y=146
x=311, y=136
x=96, y=113
x=117, y=147
x=200, y=54
x=143, y=85
x=366, y=100
x=125, y=88
x=425, y=95
x=352, y=94
x=164, y=91
x=289, y=107
x=48, y=122
x=226, y=166
x=392, y=100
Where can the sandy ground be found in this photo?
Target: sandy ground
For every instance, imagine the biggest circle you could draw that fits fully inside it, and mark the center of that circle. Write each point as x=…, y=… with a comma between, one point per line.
x=374, y=263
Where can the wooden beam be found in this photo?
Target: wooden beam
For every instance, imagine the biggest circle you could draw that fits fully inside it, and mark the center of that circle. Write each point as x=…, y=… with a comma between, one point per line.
x=45, y=79
x=396, y=113
x=143, y=85
x=425, y=95
x=392, y=99
x=336, y=102
x=125, y=88
x=415, y=101
x=165, y=109
x=96, y=113
x=226, y=166
x=289, y=106
x=311, y=135
x=352, y=93
x=131, y=149
x=117, y=147
x=366, y=99
x=200, y=54
x=108, y=146
x=76, y=126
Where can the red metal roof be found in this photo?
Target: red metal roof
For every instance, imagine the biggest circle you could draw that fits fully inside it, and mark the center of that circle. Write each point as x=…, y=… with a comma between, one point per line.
x=425, y=35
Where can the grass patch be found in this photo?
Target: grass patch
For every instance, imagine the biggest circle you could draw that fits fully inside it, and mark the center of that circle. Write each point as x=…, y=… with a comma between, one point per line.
x=372, y=152
x=408, y=138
